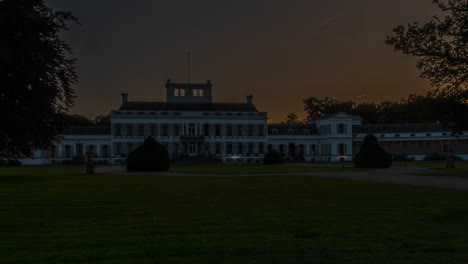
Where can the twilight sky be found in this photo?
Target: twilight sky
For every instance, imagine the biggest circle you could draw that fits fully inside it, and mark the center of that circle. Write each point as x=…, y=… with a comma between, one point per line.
x=281, y=51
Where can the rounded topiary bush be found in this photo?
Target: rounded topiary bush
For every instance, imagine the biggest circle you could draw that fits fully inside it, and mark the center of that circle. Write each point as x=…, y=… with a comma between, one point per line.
x=151, y=156
x=273, y=157
x=372, y=155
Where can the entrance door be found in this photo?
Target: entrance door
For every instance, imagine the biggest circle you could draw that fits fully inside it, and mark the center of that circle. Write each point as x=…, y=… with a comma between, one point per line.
x=192, y=149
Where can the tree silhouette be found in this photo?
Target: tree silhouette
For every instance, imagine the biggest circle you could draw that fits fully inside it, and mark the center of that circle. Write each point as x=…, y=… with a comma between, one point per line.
x=292, y=118
x=440, y=44
x=36, y=75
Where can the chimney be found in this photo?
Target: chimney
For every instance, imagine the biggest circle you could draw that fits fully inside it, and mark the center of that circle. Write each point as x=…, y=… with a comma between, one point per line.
x=249, y=99
x=124, y=98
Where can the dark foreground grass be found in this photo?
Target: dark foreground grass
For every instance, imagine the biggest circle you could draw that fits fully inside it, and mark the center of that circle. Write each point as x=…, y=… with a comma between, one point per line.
x=257, y=168
x=460, y=171
x=52, y=215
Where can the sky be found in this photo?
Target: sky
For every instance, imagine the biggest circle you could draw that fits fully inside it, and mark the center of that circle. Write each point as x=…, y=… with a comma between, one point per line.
x=280, y=51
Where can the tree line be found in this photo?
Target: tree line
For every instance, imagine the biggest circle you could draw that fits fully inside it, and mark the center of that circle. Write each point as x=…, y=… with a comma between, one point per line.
x=450, y=110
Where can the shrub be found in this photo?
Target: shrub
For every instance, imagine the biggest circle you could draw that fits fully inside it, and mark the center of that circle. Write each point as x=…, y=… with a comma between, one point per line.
x=434, y=157
x=151, y=156
x=372, y=155
x=402, y=157
x=13, y=162
x=273, y=157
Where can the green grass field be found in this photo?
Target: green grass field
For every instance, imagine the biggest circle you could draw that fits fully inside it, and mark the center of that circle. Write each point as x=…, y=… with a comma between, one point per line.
x=54, y=215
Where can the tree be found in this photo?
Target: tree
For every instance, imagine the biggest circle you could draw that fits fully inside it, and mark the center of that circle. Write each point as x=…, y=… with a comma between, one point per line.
x=102, y=120
x=441, y=46
x=36, y=75
x=273, y=157
x=151, y=156
x=372, y=155
x=292, y=118
x=75, y=120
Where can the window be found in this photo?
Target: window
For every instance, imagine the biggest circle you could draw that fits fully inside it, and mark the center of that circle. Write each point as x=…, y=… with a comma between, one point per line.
x=428, y=134
x=105, y=151
x=129, y=147
x=413, y=135
x=218, y=147
x=179, y=92
x=290, y=131
x=306, y=131
x=206, y=130
x=68, y=152
x=250, y=130
x=261, y=147
x=176, y=130
x=198, y=92
x=261, y=130
x=118, y=130
x=274, y=131
x=91, y=149
x=79, y=149
x=251, y=147
x=129, y=130
x=342, y=149
x=397, y=135
x=444, y=134
x=240, y=148
x=141, y=130
x=341, y=128
x=218, y=130
x=239, y=131
x=282, y=149
x=153, y=130
x=165, y=130
x=191, y=129
x=229, y=148
x=229, y=131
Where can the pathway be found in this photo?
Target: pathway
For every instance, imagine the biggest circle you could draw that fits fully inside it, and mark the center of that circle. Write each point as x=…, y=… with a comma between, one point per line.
x=397, y=175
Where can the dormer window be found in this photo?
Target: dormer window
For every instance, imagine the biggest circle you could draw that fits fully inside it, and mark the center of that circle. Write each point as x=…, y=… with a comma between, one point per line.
x=198, y=92
x=179, y=91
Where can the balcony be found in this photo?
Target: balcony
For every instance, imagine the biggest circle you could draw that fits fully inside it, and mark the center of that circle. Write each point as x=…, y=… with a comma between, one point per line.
x=192, y=138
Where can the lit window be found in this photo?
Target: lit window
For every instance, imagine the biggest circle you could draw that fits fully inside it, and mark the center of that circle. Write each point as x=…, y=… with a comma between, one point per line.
x=179, y=92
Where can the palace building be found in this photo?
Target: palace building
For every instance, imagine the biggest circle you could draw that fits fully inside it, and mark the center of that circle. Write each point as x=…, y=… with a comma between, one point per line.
x=190, y=124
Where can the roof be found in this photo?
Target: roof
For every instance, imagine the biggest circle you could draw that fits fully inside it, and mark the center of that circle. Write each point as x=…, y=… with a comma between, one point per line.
x=188, y=85
x=86, y=130
x=399, y=128
x=175, y=106
x=292, y=129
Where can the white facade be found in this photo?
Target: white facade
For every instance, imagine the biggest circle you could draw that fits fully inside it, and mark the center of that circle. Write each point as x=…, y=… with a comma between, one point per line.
x=189, y=124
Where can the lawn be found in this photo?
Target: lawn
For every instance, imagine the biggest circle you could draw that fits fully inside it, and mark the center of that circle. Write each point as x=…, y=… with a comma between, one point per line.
x=257, y=168
x=54, y=215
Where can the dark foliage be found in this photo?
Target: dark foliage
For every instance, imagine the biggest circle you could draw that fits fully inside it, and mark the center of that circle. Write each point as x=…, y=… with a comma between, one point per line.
x=415, y=108
x=10, y=162
x=372, y=155
x=402, y=157
x=273, y=157
x=292, y=118
x=439, y=157
x=440, y=44
x=102, y=120
x=151, y=156
x=36, y=75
